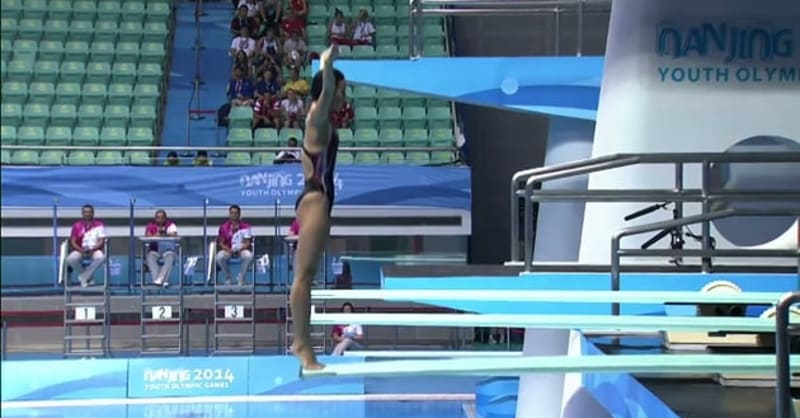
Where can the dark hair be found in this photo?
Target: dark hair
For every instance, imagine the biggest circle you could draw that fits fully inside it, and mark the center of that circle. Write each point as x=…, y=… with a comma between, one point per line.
x=346, y=304
x=172, y=154
x=235, y=207
x=316, y=83
x=88, y=206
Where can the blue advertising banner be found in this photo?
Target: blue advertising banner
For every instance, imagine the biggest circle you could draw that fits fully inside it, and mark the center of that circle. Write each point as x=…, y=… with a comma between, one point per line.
x=440, y=187
x=64, y=379
x=279, y=376
x=172, y=377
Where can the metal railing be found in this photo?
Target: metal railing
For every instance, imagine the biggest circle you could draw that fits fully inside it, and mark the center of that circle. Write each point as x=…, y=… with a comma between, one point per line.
x=783, y=378
x=417, y=10
x=218, y=149
x=679, y=194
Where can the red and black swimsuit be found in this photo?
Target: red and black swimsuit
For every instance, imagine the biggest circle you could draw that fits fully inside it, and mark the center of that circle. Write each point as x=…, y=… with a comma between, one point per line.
x=321, y=179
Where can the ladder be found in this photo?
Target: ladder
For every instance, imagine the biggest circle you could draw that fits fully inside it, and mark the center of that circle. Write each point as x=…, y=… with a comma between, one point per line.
x=319, y=333
x=86, y=310
x=161, y=312
x=234, y=310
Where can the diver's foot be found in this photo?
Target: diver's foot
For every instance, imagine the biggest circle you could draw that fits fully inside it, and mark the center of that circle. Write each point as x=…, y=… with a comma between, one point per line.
x=308, y=359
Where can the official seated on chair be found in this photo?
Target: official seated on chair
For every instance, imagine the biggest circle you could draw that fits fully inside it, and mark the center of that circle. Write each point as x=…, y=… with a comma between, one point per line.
x=235, y=241
x=163, y=251
x=87, y=242
x=346, y=337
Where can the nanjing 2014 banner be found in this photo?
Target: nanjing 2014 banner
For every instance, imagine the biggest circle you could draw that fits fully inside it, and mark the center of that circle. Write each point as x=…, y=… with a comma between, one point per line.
x=439, y=187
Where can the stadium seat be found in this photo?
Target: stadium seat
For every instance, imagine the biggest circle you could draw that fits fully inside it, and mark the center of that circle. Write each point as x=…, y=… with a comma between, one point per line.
x=238, y=158
x=8, y=135
x=25, y=157
x=52, y=157
x=80, y=158
x=58, y=136
x=266, y=137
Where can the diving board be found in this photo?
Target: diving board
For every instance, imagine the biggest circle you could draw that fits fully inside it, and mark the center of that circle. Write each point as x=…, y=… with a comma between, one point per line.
x=571, y=296
x=432, y=354
x=581, y=322
x=624, y=363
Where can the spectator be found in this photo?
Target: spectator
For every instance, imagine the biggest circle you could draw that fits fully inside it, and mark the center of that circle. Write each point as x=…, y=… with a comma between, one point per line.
x=252, y=7
x=343, y=119
x=347, y=336
x=201, y=160
x=292, y=23
x=259, y=28
x=299, y=85
x=299, y=9
x=160, y=226
x=294, y=50
x=292, y=110
x=268, y=83
x=269, y=48
x=234, y=240
x=240, y=21
x=363, y=29
x=266, y=112
x=172, y=159
x=87, y=241
x=294, y=228
x=240, y=89
x=337, y=30
x=288, y=156
x=271, y=13
x=243, y=43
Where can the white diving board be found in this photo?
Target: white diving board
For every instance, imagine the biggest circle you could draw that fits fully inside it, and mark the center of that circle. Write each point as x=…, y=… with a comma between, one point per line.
x=571, y=296
x=578, y=322
x=431, y=354
x=625, y=363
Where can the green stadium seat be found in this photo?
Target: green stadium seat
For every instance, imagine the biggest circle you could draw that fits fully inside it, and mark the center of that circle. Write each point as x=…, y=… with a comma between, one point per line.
x=149, y=74
x=240, y=137
x=155, y=32
x=106, y=30
x=418, y=158
x=140, y=137
x=80, y=158
x=94, y=93
x=68, y=93
x=238, y=158
x=287, y=133
x=364, y=96
x=25, y=157
x=390, y=118
x=345, y=137
x=387, y=51
x=81, y=30
x=146, y=94
x=5, y=156
x=266, y=137
x=133, y=11
x=76, y=50
x=143, y=116
x=72, y=72
x=441, y=157
x=117, y=116
x=109, y=158
x=263, y=158
x=58, y=136
x=439, y=117
x=366, y=118
x=11, y=112
x=57, y=30
x=318, y=12
x=8, y=135
x=388, y=98
x=240, y=117
x=30, y=135
x=391, y=138
x=344, y=158
x=414, y=117
x=112, y=136
x=124, y=73
x=11, y=9
x=384, y=15
x=8, y=27
x=434, y=51
x=90, y=116
x=138, y=158
x=127, y=52
x=41, y=93
x=20, y=71
x=63, y=115
x=23, y=50
x=367, y=158
x=30, y=29
x=84, y=10
x=100, y=72
x=102, y=51
x=411, y=100
x=441, y=137
x=59, y=9
x=317, y=33
x=46, y=71
x=109, y=10
x=51, y=50
x=35, y=114
x=86, y=136
x=394, y=158
x=157, y=11
x=363, y=52
x=153, y=52
x=120, y=94
x=52, y=157
x=416, y=138
x=365, y=137
x=5, y=49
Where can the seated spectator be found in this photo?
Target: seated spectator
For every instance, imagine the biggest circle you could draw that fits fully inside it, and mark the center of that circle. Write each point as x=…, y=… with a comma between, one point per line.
x=86, y=242
x=267, y=111
x=234, y=240
x=294, y=228
x=172, y=159
x=272, y=13
x=292, y=110
x=337, y=30
x=160, y=226
x=269, y=47
x=294, y=50
x=242, y=61
x=240, y=21
x=268, y=83
x=290, y=156
x=252, y=7
x=347, y=336
x=201, y=159
x=299, y=8
x=363, y=29
x=240, y=89
x=343, y=119
x=260, y=28
x=243, y=43
x=291, y=24
x=299, y=85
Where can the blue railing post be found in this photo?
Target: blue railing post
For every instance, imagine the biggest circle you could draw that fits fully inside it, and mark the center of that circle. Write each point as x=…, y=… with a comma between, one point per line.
x=131, y=246
x=205, y=235
x=55, y=241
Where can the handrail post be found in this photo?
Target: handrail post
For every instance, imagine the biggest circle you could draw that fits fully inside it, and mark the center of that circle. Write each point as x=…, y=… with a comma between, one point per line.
x=56, y=247
x=579, y=51
x=615, y=269
x=783, y=390
x=131, y=247
x=706, y=225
